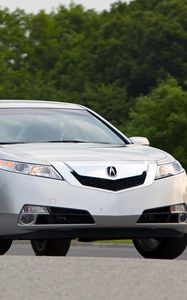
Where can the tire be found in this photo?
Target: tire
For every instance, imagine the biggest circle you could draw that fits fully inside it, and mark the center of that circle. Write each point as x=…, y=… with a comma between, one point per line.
x=54, y=247
x=164, y=248
x=4, y=246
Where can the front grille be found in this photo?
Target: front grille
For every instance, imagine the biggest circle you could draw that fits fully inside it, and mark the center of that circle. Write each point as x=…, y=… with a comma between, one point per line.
x=59, y=215
x=111, y=185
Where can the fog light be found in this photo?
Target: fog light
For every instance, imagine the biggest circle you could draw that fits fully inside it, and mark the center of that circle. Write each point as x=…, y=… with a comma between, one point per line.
x=34, y=209
x=182, y=218
x=27, y=219
x=29, y=213
x=178, y=208
x=180, y=211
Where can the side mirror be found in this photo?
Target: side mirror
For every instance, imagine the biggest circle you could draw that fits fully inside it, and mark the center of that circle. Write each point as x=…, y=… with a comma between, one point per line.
x=140, y=140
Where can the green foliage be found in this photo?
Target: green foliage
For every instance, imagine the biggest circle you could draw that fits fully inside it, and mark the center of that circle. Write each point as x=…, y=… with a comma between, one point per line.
x=108, y=100
x=108, y=61
x=162, y=117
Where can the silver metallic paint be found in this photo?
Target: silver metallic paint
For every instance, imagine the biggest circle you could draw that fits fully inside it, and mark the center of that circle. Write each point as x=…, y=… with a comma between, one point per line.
x=116, y=209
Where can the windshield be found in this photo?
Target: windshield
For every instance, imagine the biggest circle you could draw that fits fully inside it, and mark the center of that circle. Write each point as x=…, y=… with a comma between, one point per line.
x=33, y=125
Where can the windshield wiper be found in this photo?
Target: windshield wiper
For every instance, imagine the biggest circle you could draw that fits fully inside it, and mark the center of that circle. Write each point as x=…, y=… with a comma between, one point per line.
x=66, y=141
x=78, y=141
x=63, y=141
x=11, y=143
x=38, y=142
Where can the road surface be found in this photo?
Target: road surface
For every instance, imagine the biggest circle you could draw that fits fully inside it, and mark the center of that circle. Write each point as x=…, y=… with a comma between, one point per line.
x=91, y=278
x=90, y=272
x=87, y=250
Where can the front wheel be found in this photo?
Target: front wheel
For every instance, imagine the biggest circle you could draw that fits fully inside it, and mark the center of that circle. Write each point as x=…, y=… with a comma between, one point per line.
x=163, y=248
x=4, y=246
x=54, y=247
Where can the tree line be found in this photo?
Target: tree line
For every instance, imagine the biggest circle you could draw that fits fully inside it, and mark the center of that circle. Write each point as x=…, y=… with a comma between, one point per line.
x=129, y=64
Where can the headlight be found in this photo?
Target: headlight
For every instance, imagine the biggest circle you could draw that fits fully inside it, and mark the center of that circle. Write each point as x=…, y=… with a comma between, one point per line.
x=29, y=169
x=169, y=170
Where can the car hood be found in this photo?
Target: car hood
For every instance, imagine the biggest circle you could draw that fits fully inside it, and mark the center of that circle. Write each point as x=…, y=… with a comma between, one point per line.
x=50, y=153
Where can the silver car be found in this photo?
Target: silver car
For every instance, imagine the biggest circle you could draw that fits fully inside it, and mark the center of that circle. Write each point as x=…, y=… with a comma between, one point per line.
x=66, y=173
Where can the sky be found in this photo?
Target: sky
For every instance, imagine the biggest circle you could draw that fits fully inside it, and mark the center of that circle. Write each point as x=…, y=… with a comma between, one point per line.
x=48, y=5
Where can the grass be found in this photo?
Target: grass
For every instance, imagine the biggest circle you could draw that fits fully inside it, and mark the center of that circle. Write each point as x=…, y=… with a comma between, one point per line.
x=114, y=242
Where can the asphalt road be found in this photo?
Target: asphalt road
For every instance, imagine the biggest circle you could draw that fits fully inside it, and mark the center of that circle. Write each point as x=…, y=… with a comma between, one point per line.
x=90, y=272
x=88, y=278
x=87, y=250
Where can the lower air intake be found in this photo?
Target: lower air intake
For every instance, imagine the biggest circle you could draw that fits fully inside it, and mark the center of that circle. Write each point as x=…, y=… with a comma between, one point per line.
x=60, y=215
x=162, y=215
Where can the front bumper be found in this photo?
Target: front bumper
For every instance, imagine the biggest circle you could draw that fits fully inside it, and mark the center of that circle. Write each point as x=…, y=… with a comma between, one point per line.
x=111, y=211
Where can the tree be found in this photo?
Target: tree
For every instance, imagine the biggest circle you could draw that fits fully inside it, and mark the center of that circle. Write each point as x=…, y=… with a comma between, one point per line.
x=162, y=117
x=103, y=60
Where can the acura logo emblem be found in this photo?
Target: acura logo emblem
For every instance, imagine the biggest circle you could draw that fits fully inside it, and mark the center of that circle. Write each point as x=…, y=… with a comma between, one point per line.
x=111, y=171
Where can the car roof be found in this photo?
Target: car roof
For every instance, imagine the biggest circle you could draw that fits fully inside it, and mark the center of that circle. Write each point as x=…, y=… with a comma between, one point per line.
x=38, y=104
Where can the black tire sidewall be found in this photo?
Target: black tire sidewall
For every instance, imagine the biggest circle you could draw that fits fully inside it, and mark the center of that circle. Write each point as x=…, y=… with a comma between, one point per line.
x=5, y=246
x=53, y=247
x=168, y=248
